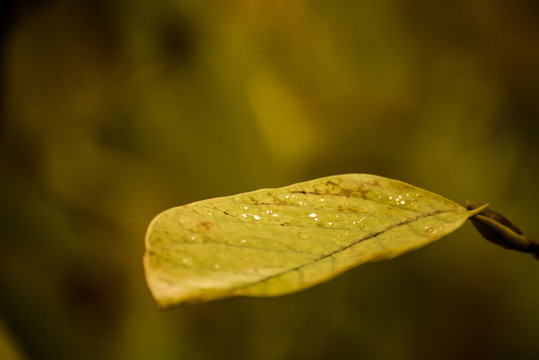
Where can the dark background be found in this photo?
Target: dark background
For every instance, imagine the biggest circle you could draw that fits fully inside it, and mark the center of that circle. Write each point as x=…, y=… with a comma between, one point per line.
x=113, y=111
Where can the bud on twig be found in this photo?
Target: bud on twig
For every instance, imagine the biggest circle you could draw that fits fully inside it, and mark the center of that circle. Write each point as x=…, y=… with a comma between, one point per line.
x=498, y=229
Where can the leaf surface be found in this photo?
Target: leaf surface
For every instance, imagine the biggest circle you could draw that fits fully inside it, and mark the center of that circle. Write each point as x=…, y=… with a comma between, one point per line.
x=271, y=242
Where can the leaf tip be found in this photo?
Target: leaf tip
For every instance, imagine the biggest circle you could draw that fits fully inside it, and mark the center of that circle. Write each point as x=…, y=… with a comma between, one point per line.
x=474, y=208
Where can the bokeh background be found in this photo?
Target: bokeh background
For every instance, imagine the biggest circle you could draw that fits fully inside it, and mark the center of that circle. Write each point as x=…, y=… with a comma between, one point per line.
x=113, y=111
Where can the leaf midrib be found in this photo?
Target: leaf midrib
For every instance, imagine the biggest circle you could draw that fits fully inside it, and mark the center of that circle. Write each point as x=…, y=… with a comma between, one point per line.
x=354, y=243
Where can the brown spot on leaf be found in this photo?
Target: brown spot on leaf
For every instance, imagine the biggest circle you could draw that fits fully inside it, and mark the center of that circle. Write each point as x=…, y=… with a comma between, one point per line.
x=276, y=200
x=205, y=225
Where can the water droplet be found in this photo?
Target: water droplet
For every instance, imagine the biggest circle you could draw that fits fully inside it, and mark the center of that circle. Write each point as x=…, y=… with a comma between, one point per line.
x=256, y=217
x=275, y=215
x=336, y=216
x=353, y=222
x=293, y=195
x=312, y=215
x=209, y=213
x=407, y=194
x=286, y=196
x=243, y=241
x=245, y=207
x=237, y=198
x=391, y=198
x=301, y=202
x=322, y=199
x=187, y=261
x=243, y=215
x=330, y=223
x=403, y=202
x=193, y=237
x=315, y=219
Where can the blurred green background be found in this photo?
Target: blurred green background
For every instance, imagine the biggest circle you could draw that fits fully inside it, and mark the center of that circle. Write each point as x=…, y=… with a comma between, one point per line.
x=113, y=111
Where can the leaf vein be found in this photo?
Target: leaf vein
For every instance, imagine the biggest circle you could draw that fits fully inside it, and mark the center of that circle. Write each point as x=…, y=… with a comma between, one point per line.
x=354, y=243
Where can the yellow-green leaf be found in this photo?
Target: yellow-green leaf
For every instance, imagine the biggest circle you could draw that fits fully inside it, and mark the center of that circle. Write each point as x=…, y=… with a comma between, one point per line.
x=277, y=241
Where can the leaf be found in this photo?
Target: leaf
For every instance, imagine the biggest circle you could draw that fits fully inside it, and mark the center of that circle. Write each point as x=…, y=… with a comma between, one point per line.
x=277, y=241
